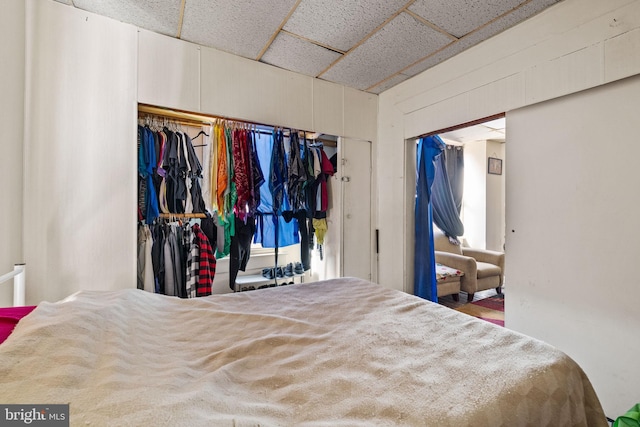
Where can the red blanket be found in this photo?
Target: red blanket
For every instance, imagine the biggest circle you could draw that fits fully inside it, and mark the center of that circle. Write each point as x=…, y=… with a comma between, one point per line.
x=9, y=317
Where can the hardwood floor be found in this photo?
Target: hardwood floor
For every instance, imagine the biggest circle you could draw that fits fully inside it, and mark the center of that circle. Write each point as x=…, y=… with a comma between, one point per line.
x=449, y=302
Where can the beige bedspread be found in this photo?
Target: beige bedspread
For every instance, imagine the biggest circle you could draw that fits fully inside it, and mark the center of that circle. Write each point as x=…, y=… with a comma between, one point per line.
x=342, y=352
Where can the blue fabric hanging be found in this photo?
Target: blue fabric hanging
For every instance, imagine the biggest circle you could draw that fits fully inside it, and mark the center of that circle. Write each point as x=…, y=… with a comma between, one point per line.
x=146, y=165
x=445, y=213
x=424, y=262
x=272, y=231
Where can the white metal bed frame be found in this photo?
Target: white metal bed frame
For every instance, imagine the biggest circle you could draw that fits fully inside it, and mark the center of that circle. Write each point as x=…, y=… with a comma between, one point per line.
x=18, y=276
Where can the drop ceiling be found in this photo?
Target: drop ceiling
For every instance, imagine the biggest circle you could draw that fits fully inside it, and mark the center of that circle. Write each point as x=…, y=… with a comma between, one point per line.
x=369, y=45
x=494, y=130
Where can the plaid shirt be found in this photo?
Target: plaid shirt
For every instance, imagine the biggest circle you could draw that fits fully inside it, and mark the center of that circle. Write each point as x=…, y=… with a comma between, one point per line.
x=193, y=264
x=206, y=262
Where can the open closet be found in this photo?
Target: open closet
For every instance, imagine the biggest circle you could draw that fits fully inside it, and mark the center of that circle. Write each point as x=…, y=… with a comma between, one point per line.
x=212, y=188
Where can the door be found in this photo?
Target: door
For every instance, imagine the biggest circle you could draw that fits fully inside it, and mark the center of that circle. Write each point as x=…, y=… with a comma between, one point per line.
x=354, y=173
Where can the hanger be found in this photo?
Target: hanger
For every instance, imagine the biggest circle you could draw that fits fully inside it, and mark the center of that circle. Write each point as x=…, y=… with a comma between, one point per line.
x=201, y=133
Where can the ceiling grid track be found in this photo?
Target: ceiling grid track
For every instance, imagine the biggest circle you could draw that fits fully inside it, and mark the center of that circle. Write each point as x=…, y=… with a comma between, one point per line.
x=370, y=46
x=367, y=37
x=181, y=18
x=431, y=24
x=275, y=34
x=413, y=64
x=333, y=49
x=456, y=40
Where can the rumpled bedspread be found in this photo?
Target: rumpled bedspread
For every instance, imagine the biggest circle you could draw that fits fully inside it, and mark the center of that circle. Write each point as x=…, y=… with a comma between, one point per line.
x=341, y=352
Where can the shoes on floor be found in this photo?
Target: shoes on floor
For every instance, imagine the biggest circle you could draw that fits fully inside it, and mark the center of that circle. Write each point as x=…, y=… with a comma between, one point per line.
x=298, y=269
x=268, y=273
x=288, y=270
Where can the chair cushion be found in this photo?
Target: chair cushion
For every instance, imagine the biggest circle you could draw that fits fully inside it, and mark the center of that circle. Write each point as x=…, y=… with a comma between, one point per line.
x=487, y=270
x=446, y=273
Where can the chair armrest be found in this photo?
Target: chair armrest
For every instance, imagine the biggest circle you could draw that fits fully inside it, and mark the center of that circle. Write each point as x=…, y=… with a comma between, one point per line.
x=460, y=262
x=485, y=255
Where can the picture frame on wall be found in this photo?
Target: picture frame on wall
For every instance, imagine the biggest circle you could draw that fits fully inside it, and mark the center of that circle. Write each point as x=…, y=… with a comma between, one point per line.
x=495, y=166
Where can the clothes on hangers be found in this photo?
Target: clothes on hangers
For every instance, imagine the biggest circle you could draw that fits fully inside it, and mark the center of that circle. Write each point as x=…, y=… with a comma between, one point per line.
x=278, y=174
x=297, y=175
x=326, y=171
x=170, y=173
x=241, y=173
x=206, y=262
x=254, y=185
x=240, y=247
x=146, y=169
x=257, y=177
x=175, y=259
x=146, y=280
x=268, y=223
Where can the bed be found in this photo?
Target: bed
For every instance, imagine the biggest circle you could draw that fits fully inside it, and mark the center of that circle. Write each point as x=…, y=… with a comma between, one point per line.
x=341, y=352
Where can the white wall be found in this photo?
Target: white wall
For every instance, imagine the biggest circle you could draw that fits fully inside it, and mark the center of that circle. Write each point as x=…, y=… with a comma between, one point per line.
x=495, y=202
x=168, y=72
x=573, y=228
x=80, y=152
x=474, y=202
x=572, y=46
x=243, y=89
x=206, y=80
x=11, y=123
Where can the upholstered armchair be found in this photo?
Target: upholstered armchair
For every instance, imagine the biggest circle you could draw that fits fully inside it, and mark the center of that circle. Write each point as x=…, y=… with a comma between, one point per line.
x=483, y=269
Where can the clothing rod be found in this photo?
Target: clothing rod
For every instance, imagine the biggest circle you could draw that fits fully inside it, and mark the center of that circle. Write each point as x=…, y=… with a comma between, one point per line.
x=194, y=123
x=183, y=215
x=174, y=114
x=325, y=142
x=202, y=118
x=185, y=122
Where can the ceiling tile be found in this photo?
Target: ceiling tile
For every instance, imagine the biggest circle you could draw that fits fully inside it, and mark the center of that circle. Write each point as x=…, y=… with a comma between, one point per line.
x=405, y=45
x=460, y=17
x=475, y=133
x=496, y=27
x=340, y=24
x=398, y=44
x=299, y=55
x=160, y=16
x=497, y=124
x=446, y=53
x=527, y=11
x=240, y=27
x=387, y=84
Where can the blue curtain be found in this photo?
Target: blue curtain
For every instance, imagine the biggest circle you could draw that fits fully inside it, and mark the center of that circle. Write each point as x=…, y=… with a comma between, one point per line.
x=446, y=214
x=424, y=267
x=454, y=159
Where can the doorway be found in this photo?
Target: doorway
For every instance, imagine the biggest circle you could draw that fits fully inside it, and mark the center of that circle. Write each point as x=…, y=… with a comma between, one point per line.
x=483, y=209
x=483, y=206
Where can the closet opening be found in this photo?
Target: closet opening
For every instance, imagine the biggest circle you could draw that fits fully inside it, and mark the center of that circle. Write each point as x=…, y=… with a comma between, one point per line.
x=258, y=193
x=477, y=184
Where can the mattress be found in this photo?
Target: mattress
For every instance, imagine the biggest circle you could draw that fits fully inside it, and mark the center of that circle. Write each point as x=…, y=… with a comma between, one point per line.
x=341, y=352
